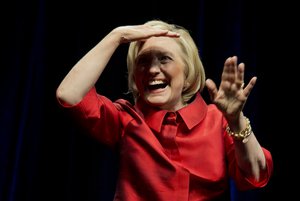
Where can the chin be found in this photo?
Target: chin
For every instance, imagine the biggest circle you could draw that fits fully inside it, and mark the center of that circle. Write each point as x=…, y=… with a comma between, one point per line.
x=155, y=101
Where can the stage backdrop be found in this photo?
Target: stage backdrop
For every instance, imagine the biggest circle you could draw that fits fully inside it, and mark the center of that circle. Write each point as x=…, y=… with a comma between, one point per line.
x=45, y=156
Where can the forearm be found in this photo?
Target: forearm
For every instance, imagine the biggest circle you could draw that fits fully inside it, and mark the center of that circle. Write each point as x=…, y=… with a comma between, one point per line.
x=249, y=153
x=87, y=70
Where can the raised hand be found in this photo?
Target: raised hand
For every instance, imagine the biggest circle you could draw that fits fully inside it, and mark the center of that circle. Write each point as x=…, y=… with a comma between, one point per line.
x=231, y=96
x=142, y=32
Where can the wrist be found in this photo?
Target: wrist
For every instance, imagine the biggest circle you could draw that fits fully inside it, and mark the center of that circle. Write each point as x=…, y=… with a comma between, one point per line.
x=241, y=135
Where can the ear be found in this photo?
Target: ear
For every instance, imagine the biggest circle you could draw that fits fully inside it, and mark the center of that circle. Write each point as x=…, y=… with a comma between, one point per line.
x=186, y=85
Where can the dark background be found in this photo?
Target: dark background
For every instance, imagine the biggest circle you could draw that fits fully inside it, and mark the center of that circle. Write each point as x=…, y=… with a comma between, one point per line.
x=44, y=156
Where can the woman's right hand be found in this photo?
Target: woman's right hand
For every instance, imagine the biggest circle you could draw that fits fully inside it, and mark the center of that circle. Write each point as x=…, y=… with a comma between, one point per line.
x=141, y=32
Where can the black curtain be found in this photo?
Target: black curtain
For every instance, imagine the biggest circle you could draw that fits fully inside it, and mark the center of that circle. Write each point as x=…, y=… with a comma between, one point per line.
x=44, y=156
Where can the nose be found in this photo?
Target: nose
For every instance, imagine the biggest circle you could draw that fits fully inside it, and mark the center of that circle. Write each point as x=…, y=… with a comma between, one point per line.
x=154, y=68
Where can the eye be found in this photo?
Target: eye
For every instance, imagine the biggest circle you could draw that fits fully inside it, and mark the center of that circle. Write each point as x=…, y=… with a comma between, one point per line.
x=164, y=59
x=141, y=61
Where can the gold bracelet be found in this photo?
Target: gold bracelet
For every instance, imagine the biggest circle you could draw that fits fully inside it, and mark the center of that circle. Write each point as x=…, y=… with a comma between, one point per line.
x=243, y=135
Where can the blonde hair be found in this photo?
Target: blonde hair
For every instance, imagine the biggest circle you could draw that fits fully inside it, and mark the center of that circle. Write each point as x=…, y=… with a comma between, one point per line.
x=195, y=74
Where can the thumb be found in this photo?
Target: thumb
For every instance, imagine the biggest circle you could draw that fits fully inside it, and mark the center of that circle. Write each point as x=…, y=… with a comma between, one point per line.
x=212, y=88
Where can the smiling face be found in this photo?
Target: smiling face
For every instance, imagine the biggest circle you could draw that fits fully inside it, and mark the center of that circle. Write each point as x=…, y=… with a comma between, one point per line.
x=159, y=73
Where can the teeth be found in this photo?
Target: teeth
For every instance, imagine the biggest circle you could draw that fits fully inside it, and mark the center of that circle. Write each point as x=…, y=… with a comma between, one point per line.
x=154, y=82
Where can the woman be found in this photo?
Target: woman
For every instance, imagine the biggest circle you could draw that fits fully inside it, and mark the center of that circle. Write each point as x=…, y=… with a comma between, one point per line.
x=172, y=145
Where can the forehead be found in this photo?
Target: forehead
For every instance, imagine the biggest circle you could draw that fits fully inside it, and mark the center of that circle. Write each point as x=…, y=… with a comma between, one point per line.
x=162, y=44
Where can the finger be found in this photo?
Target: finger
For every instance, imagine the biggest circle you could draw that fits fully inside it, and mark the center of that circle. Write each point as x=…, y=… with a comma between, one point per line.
x=250, y=86
x=240, y=75
x=229, y=70
x=155, y=31
x=212, y=88
x=173, y=34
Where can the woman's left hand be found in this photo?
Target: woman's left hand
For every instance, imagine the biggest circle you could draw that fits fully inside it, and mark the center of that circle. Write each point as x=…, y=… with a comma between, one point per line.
x=231, y=96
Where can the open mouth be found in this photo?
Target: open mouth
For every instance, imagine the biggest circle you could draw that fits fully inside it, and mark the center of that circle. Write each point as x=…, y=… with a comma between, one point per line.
x=157, y=84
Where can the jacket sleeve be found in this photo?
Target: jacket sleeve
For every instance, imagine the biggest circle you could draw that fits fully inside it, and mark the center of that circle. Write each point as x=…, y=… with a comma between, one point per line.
x=241, y=181
x=98, y=116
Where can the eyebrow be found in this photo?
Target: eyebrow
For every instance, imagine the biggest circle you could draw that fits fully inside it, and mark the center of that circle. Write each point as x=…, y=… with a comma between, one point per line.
x=154, y=52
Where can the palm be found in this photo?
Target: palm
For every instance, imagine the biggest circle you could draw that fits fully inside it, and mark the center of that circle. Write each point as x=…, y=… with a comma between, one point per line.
x=231, y=97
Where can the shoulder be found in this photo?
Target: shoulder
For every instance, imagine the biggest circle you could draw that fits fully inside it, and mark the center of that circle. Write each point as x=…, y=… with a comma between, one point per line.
x=215, y=114
x=123, y=103
x=213, y=108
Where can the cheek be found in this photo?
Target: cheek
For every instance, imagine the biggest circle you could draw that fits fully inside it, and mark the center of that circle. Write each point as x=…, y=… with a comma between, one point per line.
x=179, y=76
x=138, y=73
x=138, y=80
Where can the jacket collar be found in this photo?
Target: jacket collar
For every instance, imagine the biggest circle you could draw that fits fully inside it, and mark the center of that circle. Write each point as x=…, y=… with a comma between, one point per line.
x=192, y=114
